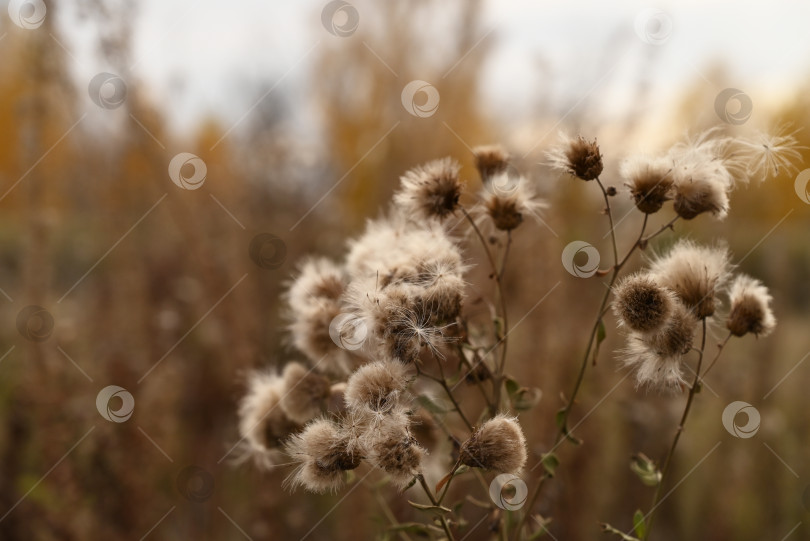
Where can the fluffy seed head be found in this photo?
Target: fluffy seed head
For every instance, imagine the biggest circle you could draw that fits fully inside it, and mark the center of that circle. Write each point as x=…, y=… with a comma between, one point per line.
x=695, y=273
x=750, y=308
x=314, y=300
x=322, y=452
x=393, y=449
x=641, y=304
x=304, y=392
x=497, y=445
x=652, y=371
x=694, y=196
x=702, y=175
x=490, y=160
x=676, y=336
x=263, y=425
x=509, y=200
x=376, y=386
x=657, y=357
x=650, y=182
x=767, y=155
x=577, y=156
x=430, y=191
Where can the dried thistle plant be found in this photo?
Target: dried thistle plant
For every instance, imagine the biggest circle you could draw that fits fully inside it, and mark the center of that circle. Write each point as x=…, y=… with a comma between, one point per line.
x=388, y=341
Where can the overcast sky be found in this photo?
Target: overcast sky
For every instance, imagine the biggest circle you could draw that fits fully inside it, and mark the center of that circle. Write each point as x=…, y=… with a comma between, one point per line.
x=198, y=55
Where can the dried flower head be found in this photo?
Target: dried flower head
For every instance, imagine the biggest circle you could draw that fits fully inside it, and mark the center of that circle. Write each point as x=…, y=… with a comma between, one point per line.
x=393, y=449
x=577, y=156
x=490, y=160
x=641, y=304
x=430, y=191
x=702, y=175
x=315, y=300
x=657, y=357
x=376, y=386
x=263, y=425
x=323, y=455
x=750, y=308
x=508, y=200
x=498, y=445
x=650, y=182
x=396, y=246
x=695, y=273
x=304, y=393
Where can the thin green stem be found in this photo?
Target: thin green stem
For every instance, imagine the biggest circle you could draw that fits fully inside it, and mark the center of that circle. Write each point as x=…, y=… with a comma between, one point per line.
x=443, y=384
x=603, y=308
x=610, y=218
x=668, y=460
x=432, y=498
x=497, y=379
x=720, y=347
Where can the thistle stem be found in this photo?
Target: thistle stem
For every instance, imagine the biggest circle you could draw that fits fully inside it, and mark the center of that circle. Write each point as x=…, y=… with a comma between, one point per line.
x=432, y=498
x=692, y=391
x=496, y=274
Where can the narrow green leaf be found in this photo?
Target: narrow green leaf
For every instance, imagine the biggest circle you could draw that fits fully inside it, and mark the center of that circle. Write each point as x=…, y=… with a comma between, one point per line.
x=601, y=334
x=416, y=528
x=639, y=526
x=550, y=463
x=432, y=405
x=512, y=386
x=607, y=528
x=526, y=398
x=560, y=420
x=645, y=468
x=436, y=509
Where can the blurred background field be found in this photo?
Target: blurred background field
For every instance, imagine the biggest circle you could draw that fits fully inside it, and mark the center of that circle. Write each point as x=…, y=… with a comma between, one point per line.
x=304, y=135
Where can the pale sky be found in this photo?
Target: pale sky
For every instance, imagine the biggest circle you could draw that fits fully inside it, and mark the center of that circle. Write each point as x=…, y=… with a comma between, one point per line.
x=198, y=56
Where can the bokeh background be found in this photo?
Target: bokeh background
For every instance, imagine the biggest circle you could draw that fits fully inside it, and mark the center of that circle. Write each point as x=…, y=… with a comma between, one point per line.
x=299, y=119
